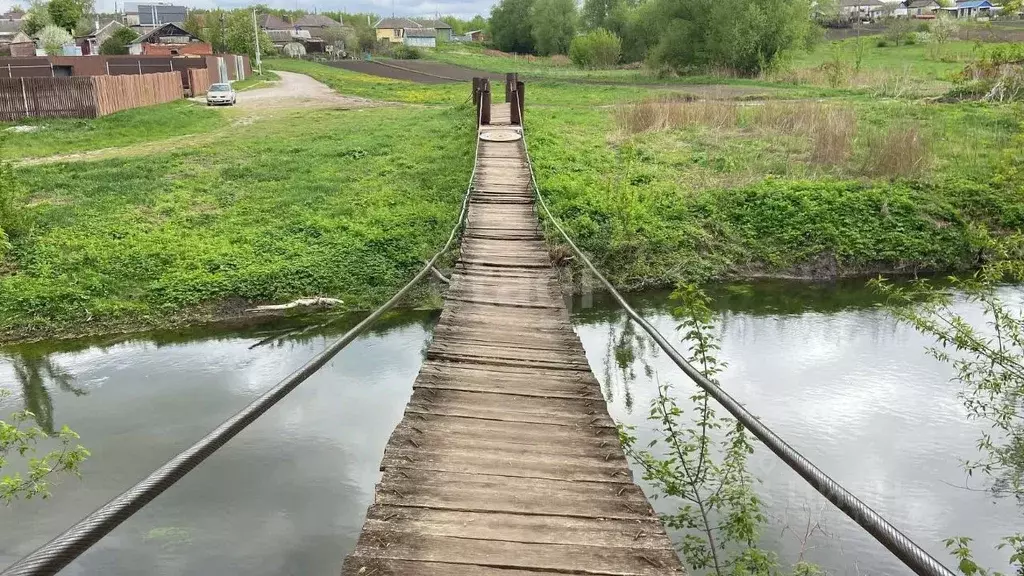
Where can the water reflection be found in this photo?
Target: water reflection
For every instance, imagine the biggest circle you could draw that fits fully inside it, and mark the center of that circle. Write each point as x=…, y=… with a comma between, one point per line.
x=843, y=383
x=35, y=369
x=287, y=495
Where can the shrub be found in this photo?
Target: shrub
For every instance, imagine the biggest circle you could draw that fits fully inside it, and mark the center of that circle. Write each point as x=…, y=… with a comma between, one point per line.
x=882, y=43
x=118, y=42
x=403, y=52
x=54, y=38
x=598, y=48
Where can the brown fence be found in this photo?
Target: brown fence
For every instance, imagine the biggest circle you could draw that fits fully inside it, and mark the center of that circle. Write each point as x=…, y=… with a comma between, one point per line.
x=115, y=93
x=84, y=97
x=46, y=97
x=199, y=80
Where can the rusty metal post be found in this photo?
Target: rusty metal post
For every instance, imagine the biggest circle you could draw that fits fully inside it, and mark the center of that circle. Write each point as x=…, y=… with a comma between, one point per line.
x=511, y=79
x=485, y=102
x=521, y=109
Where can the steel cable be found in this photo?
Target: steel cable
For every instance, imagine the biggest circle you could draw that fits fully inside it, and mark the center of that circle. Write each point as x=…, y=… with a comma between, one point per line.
x=62, y=550
x=912, y=555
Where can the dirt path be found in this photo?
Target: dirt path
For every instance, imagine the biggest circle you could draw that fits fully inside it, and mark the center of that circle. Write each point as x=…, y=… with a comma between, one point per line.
x=293, y=91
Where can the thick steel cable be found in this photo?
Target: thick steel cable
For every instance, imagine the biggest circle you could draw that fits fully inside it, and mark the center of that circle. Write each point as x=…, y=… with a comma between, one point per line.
x=62, y=550
x=915, y=557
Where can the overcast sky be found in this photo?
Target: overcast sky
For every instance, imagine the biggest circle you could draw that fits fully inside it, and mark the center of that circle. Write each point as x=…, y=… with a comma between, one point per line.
x=460, y=8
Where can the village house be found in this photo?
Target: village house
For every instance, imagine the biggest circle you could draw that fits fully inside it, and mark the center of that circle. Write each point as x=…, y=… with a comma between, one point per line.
x=393, y=29
x=22, y=46
x=922, y=8
x=972, y=9
x=169, y=40
x=413, y=32
x=861, y=9
x=442, y=28
x=90, y=43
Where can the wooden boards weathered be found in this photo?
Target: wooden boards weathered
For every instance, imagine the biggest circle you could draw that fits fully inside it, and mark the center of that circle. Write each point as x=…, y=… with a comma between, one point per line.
x=506, y=461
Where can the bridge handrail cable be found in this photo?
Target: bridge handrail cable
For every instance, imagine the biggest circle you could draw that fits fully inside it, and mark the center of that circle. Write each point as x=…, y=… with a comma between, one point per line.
x=62, y=550
x=912, y=555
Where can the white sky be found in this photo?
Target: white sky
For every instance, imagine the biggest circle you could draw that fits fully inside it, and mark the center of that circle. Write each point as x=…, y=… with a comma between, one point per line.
x=460, y=8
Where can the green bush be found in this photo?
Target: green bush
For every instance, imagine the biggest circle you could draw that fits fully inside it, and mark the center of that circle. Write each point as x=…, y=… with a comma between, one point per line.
x=118, y=42
x=598, y=48
x=403, y=52
x=882, y=43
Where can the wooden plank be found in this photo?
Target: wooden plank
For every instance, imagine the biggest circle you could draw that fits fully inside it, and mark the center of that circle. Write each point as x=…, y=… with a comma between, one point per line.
x=506, y=461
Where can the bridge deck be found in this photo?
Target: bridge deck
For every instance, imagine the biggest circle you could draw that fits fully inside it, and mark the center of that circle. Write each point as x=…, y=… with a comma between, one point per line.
x=506, y=461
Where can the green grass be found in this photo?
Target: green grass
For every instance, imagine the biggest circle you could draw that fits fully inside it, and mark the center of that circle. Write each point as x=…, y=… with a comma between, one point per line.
x=347, y=203
x=338, y=203
x=374, y=87
x=255, y=80
x=543, y=93
x=66, y=136
x=923, y=61
x=698, y=203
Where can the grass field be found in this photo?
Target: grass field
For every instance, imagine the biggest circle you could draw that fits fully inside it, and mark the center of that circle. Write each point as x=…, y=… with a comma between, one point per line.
x=70, y=135
x=318, y=202
x=345, y=204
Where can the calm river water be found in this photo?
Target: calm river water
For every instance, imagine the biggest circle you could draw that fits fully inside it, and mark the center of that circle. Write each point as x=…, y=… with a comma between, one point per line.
x=832, y=375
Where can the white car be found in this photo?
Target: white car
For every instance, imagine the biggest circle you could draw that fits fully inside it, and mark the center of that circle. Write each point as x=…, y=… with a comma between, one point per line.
x=220, y=94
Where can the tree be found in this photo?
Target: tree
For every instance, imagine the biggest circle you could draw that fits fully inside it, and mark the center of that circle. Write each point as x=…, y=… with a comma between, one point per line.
x=596, y=49
x=596, y=12
x=118, y=42
x=241, y=39
x=37, y=18
x=18, y=438
x=989, y=367
x=53, y=39
x=744, y=36
x=554, y=26
x=67, y=13
x=699, y=459
x=511, y=26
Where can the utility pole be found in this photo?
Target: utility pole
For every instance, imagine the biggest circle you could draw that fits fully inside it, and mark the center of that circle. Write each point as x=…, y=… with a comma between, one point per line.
x=256, y=31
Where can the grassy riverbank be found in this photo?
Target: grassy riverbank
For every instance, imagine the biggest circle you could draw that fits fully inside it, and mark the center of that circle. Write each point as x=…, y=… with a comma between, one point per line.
x=317, y=202
x=305, y=202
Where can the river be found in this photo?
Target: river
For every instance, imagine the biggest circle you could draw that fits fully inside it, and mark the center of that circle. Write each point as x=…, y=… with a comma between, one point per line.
x=830, y=373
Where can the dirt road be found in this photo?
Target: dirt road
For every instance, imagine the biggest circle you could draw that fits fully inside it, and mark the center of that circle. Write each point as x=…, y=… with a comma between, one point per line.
x=294, y=91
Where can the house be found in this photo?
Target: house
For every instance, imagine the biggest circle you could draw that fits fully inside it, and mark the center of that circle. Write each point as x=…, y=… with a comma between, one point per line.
x=916, y=8
x=421, y=37
x=316, y=24
x=972, y=9
x=393, y=29
x=13, y=15
x=861, y=9
x=8, y=30
x=153, y=13
x=90, y=43
x=169, y=40
x=476, y=35
x=444, y=29
x=270, y=22
x=22, y=46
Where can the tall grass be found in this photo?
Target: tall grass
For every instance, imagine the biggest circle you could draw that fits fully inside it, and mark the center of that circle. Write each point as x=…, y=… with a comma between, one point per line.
x=897, y=152
x=830, y=129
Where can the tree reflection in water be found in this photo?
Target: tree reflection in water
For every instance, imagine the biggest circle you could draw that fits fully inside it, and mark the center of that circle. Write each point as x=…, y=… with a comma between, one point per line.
x=34, y=370
x=626, y=348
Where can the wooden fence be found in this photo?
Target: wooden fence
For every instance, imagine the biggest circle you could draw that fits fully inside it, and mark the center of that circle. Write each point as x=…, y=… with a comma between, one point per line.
x=116, y=93
x=47, y=97
x=199, y=80
x=84, y=97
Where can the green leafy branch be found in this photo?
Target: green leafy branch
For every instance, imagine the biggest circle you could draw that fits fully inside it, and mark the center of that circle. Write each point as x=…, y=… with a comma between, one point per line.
x=16, y=438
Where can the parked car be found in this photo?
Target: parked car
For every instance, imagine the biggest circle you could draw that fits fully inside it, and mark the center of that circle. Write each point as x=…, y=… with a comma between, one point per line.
x=220, y=94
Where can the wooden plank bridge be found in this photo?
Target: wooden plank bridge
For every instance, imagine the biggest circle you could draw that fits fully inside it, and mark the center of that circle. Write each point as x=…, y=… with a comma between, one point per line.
x=506, y=461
